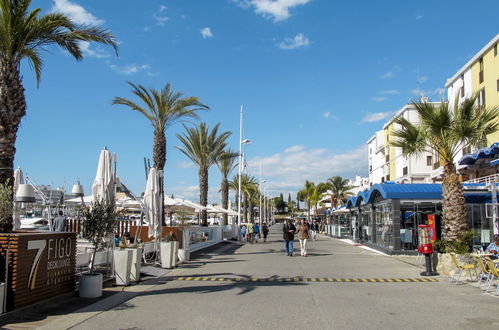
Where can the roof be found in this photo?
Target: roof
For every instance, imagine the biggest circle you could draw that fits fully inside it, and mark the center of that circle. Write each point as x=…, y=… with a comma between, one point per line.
x=472, y=61
x=490, y=152
x=430, y=191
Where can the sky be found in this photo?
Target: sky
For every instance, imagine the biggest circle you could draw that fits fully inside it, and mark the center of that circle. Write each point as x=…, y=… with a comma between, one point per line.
x=316, y=79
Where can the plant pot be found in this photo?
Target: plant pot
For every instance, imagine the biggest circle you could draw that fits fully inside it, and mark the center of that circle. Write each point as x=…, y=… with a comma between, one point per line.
x=167, y=252
x=122, y=265
x=184, y=255
x=136, y=264
x=90, y=285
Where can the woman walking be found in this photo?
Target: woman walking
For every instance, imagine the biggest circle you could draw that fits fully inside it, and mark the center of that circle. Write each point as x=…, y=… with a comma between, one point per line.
x=303, y=235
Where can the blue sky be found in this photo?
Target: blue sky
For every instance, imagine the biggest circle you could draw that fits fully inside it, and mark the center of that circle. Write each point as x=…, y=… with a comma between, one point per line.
x=316, y=78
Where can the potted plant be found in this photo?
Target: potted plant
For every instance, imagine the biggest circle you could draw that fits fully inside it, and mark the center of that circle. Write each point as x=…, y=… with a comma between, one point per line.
x=98, y=225
x=183, y=224
x=168, y=251
x=461, y=247
x=122, y=263
x=136, y=250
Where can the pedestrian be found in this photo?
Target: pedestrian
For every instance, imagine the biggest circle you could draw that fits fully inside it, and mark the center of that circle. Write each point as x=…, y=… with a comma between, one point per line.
x=289, y=235
x=60, y=223
x=303, y=235
x=314, y=227
x=257, y=232
x=265, y=231
x=251, y=231
x=243, y=233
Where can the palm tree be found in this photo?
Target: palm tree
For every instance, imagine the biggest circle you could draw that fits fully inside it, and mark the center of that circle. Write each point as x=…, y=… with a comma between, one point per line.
x=305, y=194
x=24, y=35
x=226, y=163
x=248, y=183
x=203, y=147
x=317, y=194
x=162, y=108
x=444, y=131
x=340, y=189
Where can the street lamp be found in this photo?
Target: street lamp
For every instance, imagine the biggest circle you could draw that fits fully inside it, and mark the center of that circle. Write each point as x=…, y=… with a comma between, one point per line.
x=241, y=142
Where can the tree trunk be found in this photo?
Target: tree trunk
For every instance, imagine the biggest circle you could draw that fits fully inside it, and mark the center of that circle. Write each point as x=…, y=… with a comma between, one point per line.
x=159, y=159
x=12, y=110
x=225, y=199
x=455, y=219
x=203, y=194
x=251, y=209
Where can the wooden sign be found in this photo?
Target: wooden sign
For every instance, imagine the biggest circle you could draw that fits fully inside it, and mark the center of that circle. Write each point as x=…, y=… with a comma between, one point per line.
x=41, y=266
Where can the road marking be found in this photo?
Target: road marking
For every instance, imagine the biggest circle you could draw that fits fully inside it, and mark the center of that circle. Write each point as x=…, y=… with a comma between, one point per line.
x=304, y=279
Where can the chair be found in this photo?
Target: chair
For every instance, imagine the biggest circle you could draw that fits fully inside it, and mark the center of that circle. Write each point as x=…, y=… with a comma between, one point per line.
x=494, y=274
x=460, y=267
x=485, y=274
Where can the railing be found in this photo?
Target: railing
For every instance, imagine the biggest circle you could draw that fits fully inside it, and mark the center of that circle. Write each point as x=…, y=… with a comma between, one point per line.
x=485, y=179
x=122, y=226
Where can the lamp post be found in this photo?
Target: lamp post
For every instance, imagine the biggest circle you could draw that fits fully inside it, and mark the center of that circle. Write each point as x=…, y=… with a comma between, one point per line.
x=241, y=142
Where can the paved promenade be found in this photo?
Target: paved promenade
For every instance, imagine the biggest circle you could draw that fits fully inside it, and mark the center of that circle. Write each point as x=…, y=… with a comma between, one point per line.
x=338, y=286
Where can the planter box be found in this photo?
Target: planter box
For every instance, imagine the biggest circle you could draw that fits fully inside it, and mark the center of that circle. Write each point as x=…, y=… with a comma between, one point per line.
x=184, y=255
x=168, y=254
x=2, y=297
x=136, y=264
x=40, y=266
x=122, y=266
x=445, y=266
x=90, y=285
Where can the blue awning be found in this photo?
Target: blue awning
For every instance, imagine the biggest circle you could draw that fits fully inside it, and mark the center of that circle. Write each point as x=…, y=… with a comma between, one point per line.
x=494, y=162
x=490, y=152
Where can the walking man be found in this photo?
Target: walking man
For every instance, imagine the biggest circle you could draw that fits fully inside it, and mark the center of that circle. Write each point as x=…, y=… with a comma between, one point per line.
x=265, y=231
x=251, y=232
x=303, y=235
x=257, y=232
x=289, y=235
x=60, y=222
x=313, y=229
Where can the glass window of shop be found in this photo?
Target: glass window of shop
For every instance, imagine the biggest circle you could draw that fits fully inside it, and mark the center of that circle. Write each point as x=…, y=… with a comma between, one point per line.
x=478, y=221
x=384, y=224
x=413, y=214
x=366, y=223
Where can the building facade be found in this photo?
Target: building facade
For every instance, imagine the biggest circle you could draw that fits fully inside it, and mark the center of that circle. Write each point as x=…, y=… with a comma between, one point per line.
x=387, y=163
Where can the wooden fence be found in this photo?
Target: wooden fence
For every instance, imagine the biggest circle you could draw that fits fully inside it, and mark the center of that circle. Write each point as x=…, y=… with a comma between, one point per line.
x=122, y=226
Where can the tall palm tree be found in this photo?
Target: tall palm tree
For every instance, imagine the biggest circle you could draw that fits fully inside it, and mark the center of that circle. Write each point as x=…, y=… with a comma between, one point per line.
x=162, y=108
x=340, y=189
x=203, y=147
x=308, y=192
x=443, y=131
x=248, y=184
x=24, y=35
x=226, y=163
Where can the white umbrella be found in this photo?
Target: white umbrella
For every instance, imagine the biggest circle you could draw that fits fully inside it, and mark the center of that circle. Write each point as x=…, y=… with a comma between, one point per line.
x=191, y=204
x=103, y=187
x=152, y=203
x=18, y=179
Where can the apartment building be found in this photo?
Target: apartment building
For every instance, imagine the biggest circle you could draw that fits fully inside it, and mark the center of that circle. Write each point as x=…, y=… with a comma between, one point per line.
x=387, y=163
x=480, y=76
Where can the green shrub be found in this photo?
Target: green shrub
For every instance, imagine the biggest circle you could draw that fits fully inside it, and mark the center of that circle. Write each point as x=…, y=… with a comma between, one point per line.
x=460, y=246
x=6, y=207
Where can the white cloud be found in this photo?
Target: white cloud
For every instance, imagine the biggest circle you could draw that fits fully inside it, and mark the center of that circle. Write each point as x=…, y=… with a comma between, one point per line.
x=292, y=43
x=436, y=92
x=185, y=164
x=288, y=170
x=419, y=17
x=162, y=8
x=129, y=69
x=278, y=10
x=93, y=52
x=192, y=193
x=389, y=92
x=160, y=19
x=76, y=12
x=387, y=75
x=377, y=116
x=206, y=33
x=326, y=114
x=378, y=99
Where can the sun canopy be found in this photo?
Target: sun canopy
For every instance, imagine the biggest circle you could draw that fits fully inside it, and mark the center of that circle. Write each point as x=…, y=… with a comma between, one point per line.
x=490, y=152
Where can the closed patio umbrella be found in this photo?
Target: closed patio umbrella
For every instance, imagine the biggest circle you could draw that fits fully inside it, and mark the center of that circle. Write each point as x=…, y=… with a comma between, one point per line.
x=103, y=186
x=152, y=203
x=18, y=179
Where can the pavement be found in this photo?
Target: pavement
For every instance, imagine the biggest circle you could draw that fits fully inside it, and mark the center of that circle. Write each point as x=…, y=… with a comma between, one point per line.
x=244, y=286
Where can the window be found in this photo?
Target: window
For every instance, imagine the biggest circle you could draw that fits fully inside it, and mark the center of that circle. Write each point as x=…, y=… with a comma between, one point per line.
x=495, y=50
x=404, y=171
x=382, y=179
x=498, y=85
x=428, y=161
x=480, y=74
x=462, y=87
x=370, y=168
x=388, y=177
x=387, y=158
x=481, y=98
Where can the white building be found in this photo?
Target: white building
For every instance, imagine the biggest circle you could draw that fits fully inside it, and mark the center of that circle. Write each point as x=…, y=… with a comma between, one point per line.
x=359, y=184
x=387, y=163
